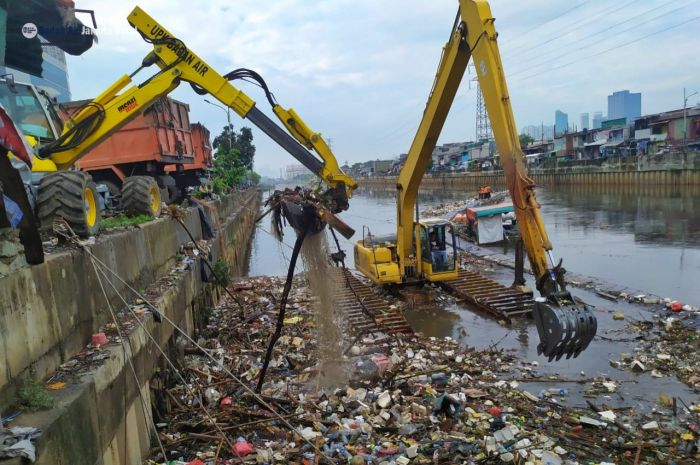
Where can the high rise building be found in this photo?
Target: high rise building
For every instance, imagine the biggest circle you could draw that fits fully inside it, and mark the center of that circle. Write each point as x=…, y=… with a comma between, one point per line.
x=584, y=122
x=623, y=104
x=539, y=131
x=548, y=133
x=561, y=122
x=597, y=120
x=292, y=171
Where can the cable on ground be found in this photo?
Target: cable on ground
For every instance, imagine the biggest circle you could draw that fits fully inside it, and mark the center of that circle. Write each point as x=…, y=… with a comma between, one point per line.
x=218, y=363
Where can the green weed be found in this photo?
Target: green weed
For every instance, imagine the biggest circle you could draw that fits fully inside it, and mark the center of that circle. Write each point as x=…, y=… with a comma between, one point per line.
x=33, y=396
x=123, y=221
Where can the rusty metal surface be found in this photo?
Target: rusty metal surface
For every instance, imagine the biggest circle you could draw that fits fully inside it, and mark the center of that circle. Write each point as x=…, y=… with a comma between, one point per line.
x=490, y=296
x=161, y=134
x=365, y=311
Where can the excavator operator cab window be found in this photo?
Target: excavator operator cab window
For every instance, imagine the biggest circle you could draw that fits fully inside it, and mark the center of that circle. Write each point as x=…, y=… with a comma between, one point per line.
x=438, y=246
x=26, y=110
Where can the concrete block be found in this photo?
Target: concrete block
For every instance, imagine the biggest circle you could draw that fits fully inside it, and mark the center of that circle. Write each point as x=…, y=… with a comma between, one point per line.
x=48, y=313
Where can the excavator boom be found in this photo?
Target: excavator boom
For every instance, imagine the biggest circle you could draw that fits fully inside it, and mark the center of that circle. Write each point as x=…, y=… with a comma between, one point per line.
x=565, y=328
x=56, y=150
x=122, y=101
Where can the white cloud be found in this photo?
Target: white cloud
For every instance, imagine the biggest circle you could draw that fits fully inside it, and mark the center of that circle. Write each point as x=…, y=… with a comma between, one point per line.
x=360, y=71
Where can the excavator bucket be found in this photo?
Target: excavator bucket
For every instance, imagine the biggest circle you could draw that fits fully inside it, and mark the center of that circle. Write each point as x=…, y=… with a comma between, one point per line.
x=304, y=210
x=564, y=328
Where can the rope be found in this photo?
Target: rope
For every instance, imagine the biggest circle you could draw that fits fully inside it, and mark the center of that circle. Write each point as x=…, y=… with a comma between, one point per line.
x=126, y=341
x=206, y=262
x=61, y=230
x=167, y=359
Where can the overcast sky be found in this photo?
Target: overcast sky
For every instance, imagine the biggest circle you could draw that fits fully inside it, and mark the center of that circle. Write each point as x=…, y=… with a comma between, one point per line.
x=359, y=71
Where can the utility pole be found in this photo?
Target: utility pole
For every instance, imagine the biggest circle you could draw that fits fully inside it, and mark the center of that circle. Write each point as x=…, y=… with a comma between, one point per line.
x=685, y=117
x=542, y=133
x=228, y=122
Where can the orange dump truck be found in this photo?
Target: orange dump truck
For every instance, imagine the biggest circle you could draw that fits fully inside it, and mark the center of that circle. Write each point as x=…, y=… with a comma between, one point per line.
x=195, y=173
x=159, y=143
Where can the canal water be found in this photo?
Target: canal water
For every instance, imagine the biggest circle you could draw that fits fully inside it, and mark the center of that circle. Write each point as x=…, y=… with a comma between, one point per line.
x=639, y=239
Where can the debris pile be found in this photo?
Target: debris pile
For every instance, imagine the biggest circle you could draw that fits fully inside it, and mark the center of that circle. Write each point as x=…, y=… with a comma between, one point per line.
x=461, y=206
x=409, y=400
x=668, y=346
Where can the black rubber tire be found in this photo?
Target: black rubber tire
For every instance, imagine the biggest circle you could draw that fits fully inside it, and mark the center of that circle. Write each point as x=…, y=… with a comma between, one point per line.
x=168, y=183
x=137, y=196
x=63, y=194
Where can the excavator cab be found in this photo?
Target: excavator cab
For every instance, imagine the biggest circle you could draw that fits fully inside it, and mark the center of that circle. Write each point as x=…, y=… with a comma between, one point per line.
x=437, y=251
x=30, y=109
x=434, y=256
x=23, y=104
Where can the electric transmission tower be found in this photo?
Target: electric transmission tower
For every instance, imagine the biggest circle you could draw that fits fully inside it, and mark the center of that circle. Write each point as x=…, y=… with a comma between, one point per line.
x=483, y=126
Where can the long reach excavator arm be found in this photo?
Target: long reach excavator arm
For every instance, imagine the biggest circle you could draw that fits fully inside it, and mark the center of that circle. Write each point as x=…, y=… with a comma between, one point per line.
x=565, y=328
x=121, y=102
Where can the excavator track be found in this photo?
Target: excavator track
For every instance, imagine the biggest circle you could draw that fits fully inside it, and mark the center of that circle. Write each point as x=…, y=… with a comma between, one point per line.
x=489, y=296
x=365, y=311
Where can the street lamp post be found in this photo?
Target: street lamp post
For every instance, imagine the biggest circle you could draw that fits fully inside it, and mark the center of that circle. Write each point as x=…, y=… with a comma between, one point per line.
x=685, y=116
x=228, y=120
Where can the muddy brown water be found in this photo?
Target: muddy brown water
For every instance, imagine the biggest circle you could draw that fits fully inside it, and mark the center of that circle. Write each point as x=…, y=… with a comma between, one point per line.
x=637, y=239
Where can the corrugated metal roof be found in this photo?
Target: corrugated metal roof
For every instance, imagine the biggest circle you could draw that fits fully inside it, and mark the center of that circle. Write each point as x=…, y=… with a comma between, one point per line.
x=597, y=142
x=613, y=144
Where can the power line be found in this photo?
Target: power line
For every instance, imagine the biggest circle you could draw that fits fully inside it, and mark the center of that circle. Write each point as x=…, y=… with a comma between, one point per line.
x=547, y=22
x=600, y=31
x=603, y=39
x=579, y=26
x=661, y=31
x=401, y=126
x=414, y=128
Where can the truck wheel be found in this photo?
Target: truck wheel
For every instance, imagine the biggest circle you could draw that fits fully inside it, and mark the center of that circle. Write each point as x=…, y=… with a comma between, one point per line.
x=169, y=185
x=141, y=196
x=70, y=195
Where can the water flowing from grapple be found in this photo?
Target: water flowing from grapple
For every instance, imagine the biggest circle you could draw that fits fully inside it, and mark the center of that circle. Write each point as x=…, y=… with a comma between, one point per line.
x=329, y=322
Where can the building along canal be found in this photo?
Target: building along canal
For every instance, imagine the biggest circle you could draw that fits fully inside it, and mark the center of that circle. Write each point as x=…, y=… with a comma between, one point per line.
x=632, y=239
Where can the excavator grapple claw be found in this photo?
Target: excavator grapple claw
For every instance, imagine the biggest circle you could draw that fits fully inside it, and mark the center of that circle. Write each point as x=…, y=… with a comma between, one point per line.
x=565, y=329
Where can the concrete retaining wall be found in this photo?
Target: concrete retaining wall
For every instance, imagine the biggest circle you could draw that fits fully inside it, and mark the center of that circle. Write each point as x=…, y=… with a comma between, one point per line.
x=675, y=177
x=49, y=312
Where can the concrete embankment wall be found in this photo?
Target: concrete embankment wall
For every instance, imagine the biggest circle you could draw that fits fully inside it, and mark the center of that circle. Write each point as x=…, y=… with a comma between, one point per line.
x=675, y=177
x=49, y=312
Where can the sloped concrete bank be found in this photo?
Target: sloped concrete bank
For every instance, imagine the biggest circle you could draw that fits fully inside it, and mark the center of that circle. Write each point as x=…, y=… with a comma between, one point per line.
x=49, y=312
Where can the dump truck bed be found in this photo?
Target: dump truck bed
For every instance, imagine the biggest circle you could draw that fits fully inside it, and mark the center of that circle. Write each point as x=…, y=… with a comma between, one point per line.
x=161, y=134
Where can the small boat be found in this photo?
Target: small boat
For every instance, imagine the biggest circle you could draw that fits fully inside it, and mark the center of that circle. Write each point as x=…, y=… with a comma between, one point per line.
x=487, y=222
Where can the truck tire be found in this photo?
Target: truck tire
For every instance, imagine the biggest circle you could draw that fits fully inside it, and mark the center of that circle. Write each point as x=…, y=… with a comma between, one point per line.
x=168, y=183
x=141, y=196
x=70, y=195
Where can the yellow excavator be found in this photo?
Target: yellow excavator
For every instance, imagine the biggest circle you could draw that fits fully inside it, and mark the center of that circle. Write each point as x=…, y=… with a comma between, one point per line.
x=425, y=250
x=53, y=189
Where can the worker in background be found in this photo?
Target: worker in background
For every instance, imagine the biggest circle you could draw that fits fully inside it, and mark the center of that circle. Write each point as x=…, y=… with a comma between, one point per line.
x=485, y=192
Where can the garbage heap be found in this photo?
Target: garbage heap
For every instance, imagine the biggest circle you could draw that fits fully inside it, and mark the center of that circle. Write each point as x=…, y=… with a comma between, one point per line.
x=668, y=345
x=410, y=400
